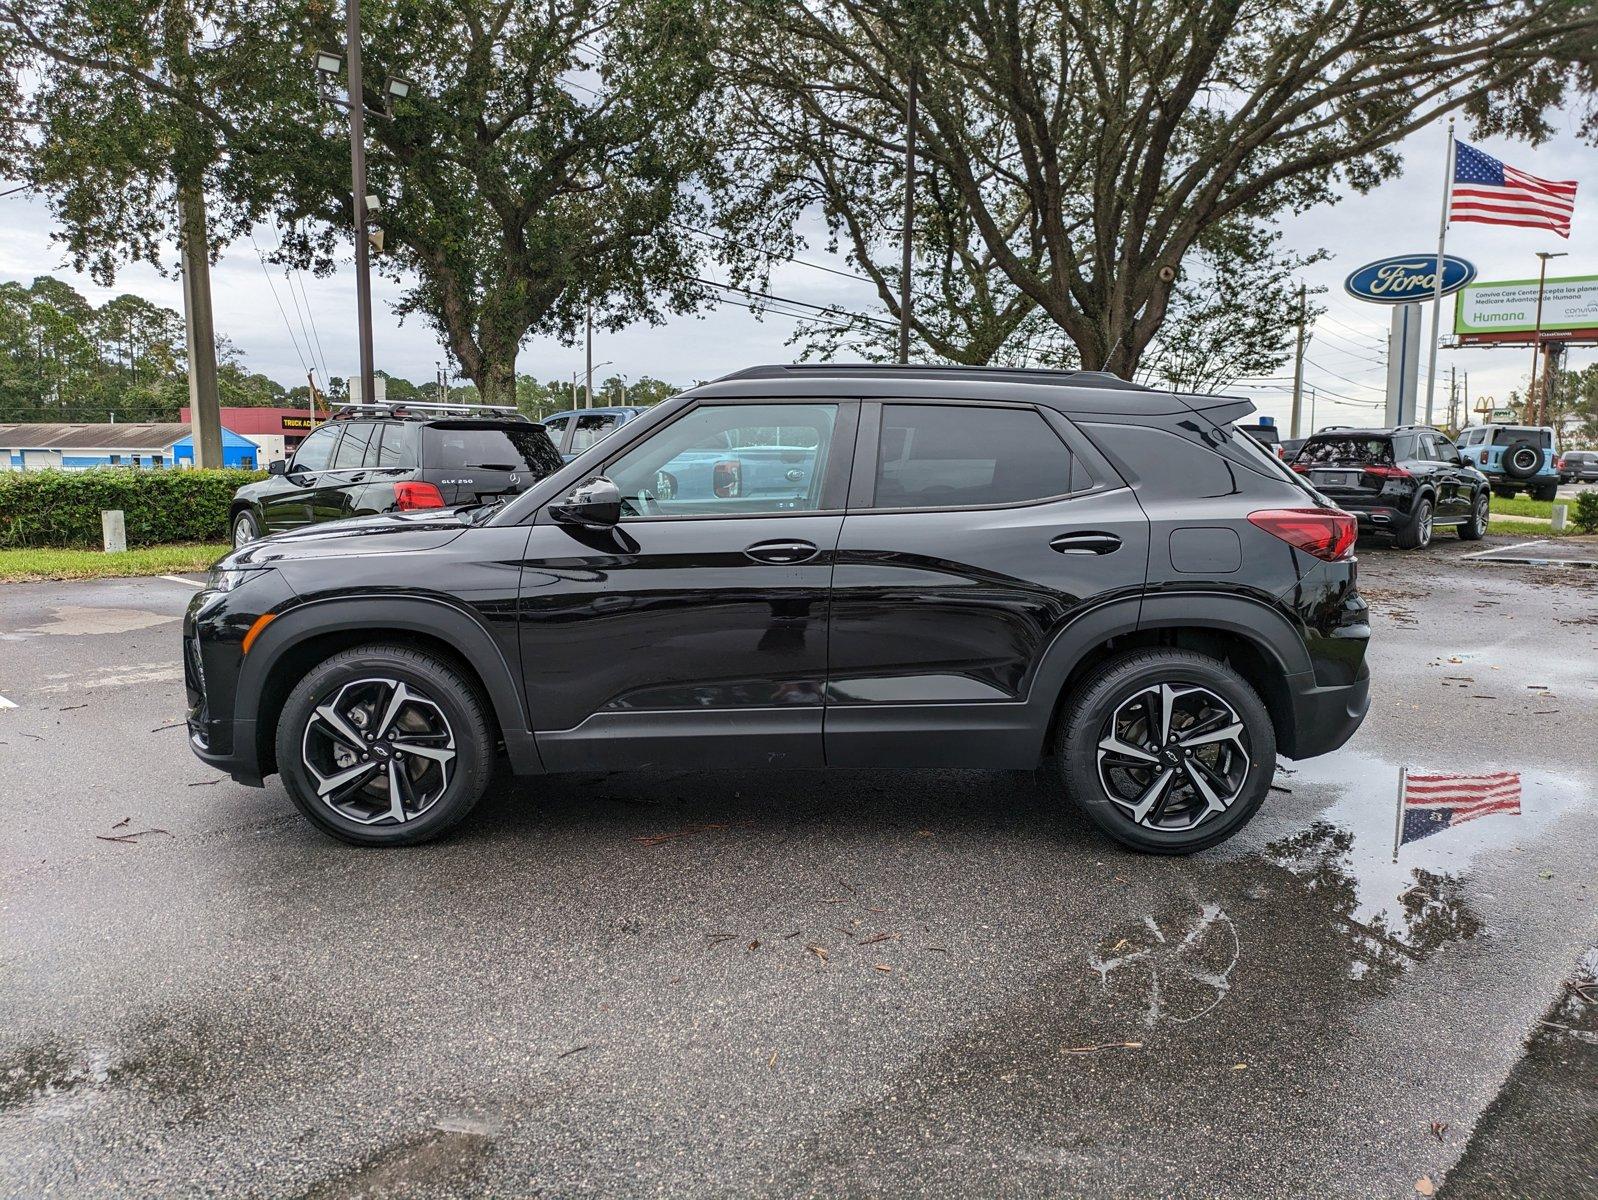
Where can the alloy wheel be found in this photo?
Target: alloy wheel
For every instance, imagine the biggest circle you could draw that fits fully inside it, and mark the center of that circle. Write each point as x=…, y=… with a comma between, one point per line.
x=1173, y=756
x=1483, y=506
x=381, y=752
x=243, y=533
x=1425, y=525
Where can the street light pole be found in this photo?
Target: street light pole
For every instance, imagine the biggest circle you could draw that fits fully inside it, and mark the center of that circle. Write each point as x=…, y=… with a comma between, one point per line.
x=363, y=262
x=1534, y=405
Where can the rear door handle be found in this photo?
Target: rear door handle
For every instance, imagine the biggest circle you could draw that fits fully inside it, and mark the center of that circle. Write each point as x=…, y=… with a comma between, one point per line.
x=1086, y=543
x=782, y=552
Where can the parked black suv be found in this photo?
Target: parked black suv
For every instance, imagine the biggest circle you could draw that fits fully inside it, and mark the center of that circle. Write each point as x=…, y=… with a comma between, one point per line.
x=379, y=458
x=1407, y=481
x=983, y=568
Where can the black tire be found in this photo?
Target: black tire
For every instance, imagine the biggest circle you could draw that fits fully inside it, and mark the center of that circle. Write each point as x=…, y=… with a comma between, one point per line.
x=1417, y=535
x=1521, y=459
x=1545, y=491
x=435, y=698
x=1505, y=493
x=1100, y=704
x=246, y=529
x=1476, y=525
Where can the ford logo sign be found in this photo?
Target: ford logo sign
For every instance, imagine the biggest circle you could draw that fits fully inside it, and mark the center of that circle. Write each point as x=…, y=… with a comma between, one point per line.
x=1407, y=278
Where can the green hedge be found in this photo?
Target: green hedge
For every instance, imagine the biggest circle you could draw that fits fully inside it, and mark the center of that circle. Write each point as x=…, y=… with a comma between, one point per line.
x=62, y=508
x=1585, y=516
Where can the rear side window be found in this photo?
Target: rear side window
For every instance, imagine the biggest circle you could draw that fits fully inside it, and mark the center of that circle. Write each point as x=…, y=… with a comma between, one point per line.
x=1347, y=451
x=591, y=427
x=356, y=445
x=522, y=447
x=954, y=456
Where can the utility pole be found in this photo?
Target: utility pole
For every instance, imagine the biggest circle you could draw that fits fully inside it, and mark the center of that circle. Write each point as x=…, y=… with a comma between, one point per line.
x=310, y=383
x=909, y=215
x=363, y=258
x=588, y=387
x=1465, y=399
x=205, y=413
x=1298, y=361
x=1534, y=404
x=1453, y=400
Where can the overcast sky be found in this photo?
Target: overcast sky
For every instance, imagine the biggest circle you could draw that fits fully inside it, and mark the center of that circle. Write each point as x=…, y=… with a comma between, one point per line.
x=1345, y=357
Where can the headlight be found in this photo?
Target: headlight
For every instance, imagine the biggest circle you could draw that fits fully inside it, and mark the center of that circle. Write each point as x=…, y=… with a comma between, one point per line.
x=225, y=579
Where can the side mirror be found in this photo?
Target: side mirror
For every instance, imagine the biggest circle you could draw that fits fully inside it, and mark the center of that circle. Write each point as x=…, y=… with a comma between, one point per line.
x=278, y=467
x=595, y=503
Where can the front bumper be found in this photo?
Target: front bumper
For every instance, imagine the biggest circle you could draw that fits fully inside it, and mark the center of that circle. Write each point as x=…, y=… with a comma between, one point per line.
x=1325, y=717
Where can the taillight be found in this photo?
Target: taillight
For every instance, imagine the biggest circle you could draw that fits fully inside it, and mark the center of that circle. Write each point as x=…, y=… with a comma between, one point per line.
x=1324, y=532
x=1300, y=468
x=1388, y=472
x=408, y=496
x=1559, y=464
x=726, y=478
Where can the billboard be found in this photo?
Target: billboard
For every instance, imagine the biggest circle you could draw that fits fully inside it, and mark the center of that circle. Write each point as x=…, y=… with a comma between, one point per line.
x=1507, y=311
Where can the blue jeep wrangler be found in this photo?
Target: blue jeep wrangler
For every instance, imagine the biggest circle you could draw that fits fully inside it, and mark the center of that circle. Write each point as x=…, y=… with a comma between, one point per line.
x=1515, y=458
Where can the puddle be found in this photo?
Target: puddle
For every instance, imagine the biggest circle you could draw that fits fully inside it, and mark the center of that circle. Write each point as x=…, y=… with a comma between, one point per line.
x=75, y=620
x=440, y=1160
x=1397, y=908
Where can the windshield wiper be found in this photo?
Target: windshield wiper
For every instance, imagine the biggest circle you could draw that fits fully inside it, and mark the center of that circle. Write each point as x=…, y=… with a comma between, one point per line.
x=492, y=467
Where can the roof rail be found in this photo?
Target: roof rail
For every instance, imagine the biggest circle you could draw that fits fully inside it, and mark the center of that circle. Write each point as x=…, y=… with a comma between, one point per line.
x=397, y=408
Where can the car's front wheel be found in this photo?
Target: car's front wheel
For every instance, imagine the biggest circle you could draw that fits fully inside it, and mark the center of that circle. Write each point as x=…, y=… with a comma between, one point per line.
x=384, y=745
x=1166, y=750
x=1474, y=529
x=246, y=529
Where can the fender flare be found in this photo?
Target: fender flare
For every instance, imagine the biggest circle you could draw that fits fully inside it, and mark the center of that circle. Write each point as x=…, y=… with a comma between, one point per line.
x=378, y=614
x=1256, y=620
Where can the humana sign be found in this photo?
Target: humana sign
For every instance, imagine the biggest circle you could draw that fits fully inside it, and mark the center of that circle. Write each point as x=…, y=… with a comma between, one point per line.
x=1408, y=278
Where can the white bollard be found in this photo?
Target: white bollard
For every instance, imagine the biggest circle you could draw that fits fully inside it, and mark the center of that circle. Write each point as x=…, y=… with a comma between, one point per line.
x=1557, y=524
x=114, y=530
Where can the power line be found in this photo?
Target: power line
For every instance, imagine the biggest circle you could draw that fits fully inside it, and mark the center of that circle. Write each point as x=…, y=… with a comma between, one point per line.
x=281, y=310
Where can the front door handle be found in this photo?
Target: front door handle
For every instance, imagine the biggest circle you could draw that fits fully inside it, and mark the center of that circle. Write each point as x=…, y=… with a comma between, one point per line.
x=1086, y=543
x=782, y=552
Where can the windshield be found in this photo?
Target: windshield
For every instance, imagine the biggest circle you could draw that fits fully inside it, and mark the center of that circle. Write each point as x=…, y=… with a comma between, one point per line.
x=1354, y=451
x=525, y=449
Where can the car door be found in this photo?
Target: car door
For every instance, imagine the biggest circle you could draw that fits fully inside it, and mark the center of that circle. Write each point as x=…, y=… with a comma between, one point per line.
x=339, y=489
x=1456, y=481
x=694, y=632
x=975, y=534
x=291, y=504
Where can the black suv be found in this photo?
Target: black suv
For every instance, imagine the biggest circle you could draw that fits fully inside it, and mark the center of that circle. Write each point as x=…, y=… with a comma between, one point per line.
x=1407, y=481
x=969, y=567
x=379, y=458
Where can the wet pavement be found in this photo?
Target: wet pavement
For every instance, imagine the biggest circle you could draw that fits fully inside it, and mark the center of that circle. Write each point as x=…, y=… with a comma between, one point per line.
x=805, y=983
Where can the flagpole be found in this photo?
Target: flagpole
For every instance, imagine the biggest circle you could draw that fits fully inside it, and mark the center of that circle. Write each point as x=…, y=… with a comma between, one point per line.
x=1398, y=823
x=1437, y=279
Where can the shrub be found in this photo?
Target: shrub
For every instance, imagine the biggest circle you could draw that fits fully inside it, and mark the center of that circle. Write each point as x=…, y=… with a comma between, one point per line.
x=1585, y=518
x=62, y=508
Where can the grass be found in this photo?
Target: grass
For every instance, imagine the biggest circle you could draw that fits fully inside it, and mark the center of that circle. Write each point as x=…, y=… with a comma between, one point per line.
x=1525, y=506
x=28, y=566
x=1531, y=529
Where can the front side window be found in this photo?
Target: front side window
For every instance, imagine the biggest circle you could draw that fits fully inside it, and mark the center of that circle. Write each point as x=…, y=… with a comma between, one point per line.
x=960, y=456
x=591, y=427
x=729, y=460
x=316, y=450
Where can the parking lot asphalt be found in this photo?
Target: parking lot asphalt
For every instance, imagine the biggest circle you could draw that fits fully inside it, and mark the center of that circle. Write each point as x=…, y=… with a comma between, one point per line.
x=941, y=983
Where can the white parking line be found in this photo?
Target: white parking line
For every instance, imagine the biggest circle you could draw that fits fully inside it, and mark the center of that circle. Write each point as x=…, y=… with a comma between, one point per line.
x=180, y=579
x=1506, y=549
x=4, y=703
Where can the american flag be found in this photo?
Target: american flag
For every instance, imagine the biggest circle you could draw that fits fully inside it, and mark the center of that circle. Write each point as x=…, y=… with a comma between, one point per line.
x=1487, y=191
x=1433, y=803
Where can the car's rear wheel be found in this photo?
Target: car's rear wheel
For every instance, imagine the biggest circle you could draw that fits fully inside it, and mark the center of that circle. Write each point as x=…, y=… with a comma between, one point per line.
x=246, y=529
x=384, y=745
x=1474, y=528
x=1166, y=750
x=1545, y=491
x=1505, y=493
x=1417, y=535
